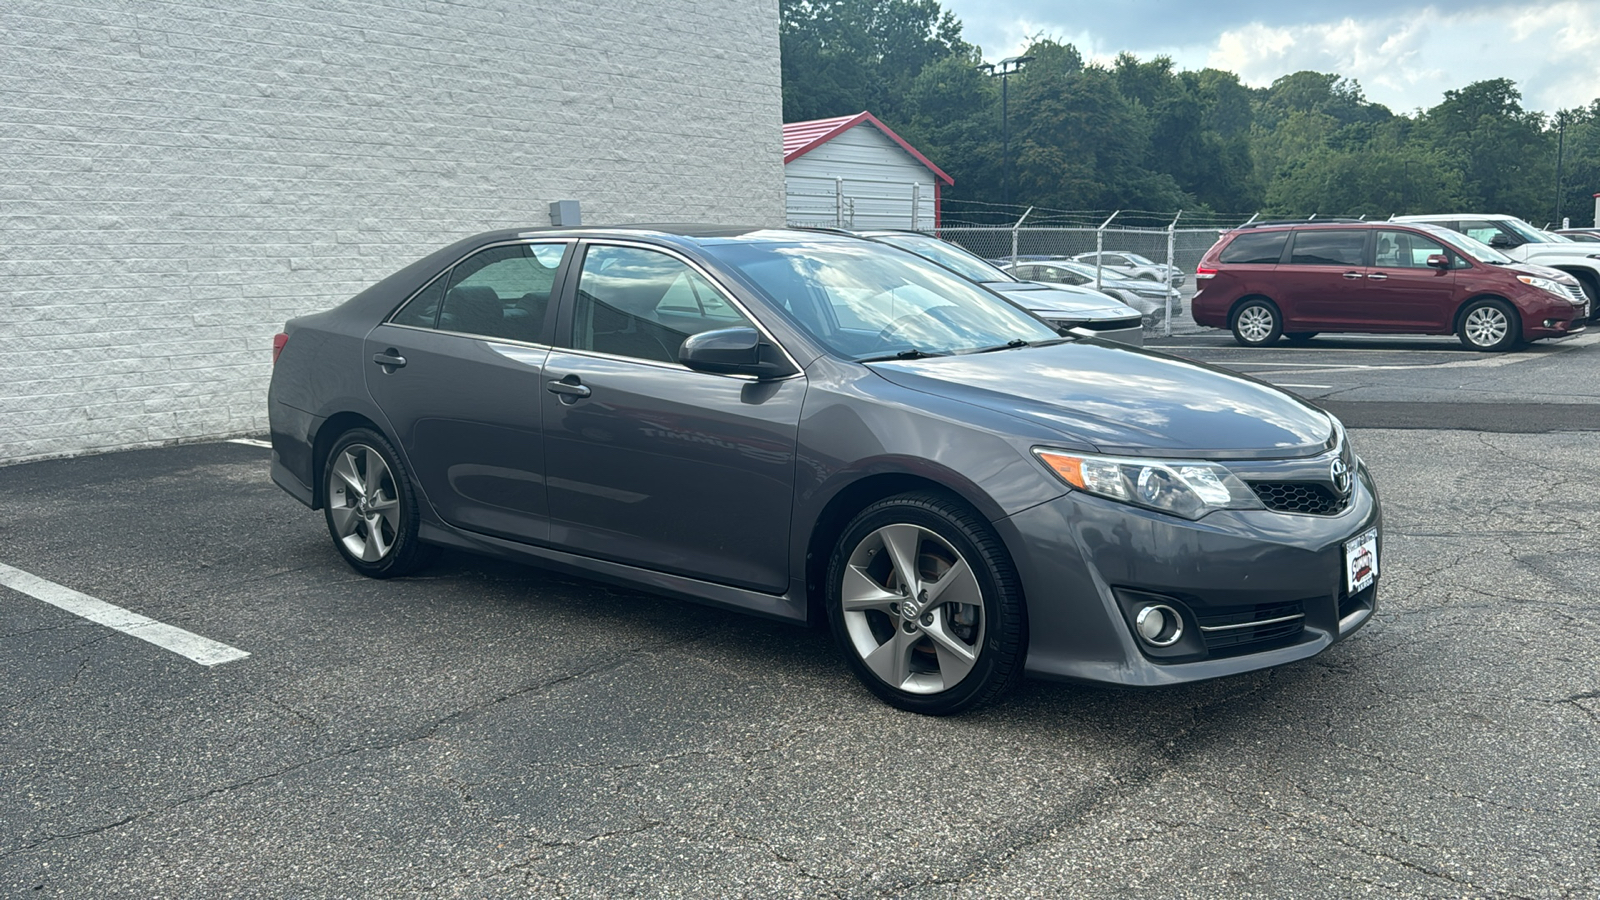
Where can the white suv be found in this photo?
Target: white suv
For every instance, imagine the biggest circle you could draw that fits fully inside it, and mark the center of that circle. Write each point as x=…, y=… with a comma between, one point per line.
x=1525, y=243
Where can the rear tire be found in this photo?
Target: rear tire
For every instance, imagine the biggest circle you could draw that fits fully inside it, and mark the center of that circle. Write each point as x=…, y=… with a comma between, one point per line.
x=926, y=605
x=1489, y=325
x=371, y=507
x=1257, y=323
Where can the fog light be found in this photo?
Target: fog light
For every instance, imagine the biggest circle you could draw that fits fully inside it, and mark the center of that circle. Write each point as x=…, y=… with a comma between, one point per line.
x=1159, y=625
x=1549, y=323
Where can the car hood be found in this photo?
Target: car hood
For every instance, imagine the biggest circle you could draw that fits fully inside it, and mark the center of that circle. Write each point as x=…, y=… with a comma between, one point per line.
x=1061, y=298
x=1124, y=400
x=1531, y=268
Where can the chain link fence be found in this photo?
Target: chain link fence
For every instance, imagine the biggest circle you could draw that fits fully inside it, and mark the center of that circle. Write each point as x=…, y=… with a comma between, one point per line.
x=1174, y=251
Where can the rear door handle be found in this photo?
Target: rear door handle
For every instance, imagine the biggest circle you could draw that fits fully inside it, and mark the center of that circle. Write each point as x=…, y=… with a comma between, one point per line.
x=1352, y=274
x=389, y=359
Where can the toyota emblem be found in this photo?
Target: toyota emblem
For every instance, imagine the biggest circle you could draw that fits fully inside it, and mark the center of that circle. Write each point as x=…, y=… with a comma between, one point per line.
x=1341, y=477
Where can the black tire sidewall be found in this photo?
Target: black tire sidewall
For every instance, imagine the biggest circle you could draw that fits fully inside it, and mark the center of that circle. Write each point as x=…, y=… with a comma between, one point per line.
x=1000, y=658
x=1277, y=323
x=408, y=552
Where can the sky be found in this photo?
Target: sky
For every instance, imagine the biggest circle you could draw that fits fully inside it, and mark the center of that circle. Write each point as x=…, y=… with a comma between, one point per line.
x=1403, y=55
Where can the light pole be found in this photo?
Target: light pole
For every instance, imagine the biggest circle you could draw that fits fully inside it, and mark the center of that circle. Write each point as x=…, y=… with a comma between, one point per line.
x=1005, y=68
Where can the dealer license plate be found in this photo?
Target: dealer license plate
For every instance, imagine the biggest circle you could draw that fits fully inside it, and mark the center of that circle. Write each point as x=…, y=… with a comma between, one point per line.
x=1361, y=560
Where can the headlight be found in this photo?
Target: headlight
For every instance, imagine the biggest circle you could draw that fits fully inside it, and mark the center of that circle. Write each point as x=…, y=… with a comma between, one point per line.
x=1543, y=284
x=1187, y=488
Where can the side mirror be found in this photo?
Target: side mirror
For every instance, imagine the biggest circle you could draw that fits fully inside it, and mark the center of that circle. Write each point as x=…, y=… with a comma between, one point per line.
x=1503, y=242
x=1438, y=261
x=734, y=351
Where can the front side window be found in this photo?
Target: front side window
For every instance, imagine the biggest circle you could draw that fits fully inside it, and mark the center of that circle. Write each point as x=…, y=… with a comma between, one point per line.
x=643, y=304
x=1328, y=248
x=1405, y=250
x=865, y=301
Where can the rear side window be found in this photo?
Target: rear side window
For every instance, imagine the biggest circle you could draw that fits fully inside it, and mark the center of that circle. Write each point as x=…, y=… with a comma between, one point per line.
x=1262, y=247
x=1328, y=248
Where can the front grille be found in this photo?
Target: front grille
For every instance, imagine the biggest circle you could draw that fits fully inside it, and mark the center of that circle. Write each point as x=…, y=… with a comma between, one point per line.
x=1244, y=629
x=1305, y=497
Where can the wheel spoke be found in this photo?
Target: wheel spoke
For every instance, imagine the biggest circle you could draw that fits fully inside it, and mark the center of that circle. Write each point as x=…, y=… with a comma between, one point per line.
x=892, y=660
x=860, y=593
x=345, y=520
x=956, y=585
x=901, y=542
x=345, y=469
x=377, y=545
x=390, y=511
x=375, y=472
x=956, y=659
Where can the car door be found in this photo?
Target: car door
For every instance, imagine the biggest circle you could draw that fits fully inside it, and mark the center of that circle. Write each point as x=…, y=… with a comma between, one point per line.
x=457, y=373
x=1321, y=285
x=650, y=463
x=1404, y=290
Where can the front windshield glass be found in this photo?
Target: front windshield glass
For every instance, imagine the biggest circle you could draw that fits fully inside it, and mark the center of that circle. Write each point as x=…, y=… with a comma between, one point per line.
x=948, y=255
x=865, y=301
x=1474, y=248
x=1528, y=233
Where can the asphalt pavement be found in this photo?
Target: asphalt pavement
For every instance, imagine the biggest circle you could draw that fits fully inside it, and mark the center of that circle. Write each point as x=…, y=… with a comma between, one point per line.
x=492, y=730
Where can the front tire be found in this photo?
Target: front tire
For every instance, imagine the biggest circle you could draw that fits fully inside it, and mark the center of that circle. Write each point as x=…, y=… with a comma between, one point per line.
x=1489, y=325
x=1257, y=323
x=926, y=605
x=371, y=507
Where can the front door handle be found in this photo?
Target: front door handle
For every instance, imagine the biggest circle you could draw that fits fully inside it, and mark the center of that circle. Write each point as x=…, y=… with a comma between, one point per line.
x=569, y=389
x=390, y=359
x=1352, y=274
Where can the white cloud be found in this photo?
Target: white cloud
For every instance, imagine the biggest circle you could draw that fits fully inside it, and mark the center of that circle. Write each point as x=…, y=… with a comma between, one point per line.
x=1407, y=62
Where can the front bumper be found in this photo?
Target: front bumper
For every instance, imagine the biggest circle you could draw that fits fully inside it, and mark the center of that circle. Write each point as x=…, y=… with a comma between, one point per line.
x=1087, y=563
x=1122, y=331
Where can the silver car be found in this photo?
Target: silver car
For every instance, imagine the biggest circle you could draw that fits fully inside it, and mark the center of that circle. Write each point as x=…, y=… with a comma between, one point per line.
x=1151, y=298
x=1132, y=265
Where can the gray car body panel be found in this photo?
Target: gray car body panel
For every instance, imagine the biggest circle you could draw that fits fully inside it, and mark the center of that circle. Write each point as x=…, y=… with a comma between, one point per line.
x=815, y=437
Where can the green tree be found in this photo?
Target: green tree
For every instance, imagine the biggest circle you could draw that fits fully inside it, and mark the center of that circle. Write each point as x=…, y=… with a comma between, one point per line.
x=1505, y=155
x=844, y=56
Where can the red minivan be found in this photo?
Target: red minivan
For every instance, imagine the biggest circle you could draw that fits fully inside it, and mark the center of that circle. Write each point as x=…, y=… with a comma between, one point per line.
x=1299, y=279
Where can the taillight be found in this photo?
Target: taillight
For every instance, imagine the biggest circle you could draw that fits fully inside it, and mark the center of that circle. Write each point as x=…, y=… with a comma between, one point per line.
x=278, y=342
x=1204, y=272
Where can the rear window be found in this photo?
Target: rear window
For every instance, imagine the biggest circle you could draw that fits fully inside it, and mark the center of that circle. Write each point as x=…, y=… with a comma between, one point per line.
x=1257, y=247
x=1328, y=248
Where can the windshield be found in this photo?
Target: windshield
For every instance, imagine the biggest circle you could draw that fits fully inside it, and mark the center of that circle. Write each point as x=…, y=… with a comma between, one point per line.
x=1474, y=248
x=948, y=255
x=1529, y=233
x=864, y=301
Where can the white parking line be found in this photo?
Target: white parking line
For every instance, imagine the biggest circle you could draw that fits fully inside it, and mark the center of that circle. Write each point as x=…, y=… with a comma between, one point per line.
x=204, y=651
x=251, y=442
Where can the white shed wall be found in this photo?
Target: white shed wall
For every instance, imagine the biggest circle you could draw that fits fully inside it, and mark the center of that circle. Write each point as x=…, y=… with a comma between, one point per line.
x=878, y=177
x=179, y=177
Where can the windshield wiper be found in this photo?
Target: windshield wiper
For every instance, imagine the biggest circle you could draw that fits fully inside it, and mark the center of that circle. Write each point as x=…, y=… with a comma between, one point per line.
x=912, y=353
x=1008, y=345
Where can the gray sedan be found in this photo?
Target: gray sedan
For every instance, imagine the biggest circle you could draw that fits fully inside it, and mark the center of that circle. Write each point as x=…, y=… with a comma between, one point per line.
x=813, y=427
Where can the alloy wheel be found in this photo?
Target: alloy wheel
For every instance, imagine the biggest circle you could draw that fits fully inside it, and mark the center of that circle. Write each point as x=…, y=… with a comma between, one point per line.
x=1486, y=326
x=1255, y=323
x=913, y=609
x=363, y=503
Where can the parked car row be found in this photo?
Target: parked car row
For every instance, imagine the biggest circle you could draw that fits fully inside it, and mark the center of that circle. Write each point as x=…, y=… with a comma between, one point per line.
x=1407, y=276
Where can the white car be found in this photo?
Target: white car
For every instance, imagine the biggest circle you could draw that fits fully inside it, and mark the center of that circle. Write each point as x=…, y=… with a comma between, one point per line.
x=1525, y=243
x=1132, y=265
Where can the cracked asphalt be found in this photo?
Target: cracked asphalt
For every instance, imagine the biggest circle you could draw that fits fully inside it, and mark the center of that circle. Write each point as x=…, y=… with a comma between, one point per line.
x=490, y=730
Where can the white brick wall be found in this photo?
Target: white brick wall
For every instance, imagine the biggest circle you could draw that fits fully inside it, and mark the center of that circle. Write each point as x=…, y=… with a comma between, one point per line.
x=179, y=178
